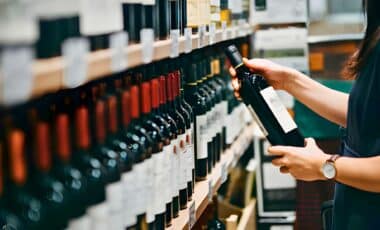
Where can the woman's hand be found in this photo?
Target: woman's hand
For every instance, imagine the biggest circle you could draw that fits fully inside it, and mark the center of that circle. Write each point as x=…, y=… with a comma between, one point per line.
x=302, y=163
x=277, y=75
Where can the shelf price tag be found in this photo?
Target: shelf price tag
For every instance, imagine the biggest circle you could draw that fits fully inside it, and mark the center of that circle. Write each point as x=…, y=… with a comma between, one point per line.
x=224, y=30
x=212, y=30
x=147, y=40
x=188, y=40
x=174, y=48
x=224, y=173
x=210, y=190
x=74, y=52
x=119, y=59
x=192, y=216
x=16, y=74
x=202, y=36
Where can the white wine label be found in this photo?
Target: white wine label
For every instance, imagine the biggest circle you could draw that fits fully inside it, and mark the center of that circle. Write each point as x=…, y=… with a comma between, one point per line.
x=80, y=223
x=188, y=40
x=183, y=162
x=118, y=44
x=174, y=47
x=159, y=184
x=282, y=227
x=99, y=216
x=147, y=40
x=174, y=169
x=148, y=185
x=129, y=194
x=257, y=120
x=278, y=109
x=189, y=156
x=140, y=188
x=201, y=136
x=16, y=78
x=74, y=52
x=114, y=194
x=224, y=30
x=168, y=151
x=151, y=180
x=212, y=31
x=100, y=17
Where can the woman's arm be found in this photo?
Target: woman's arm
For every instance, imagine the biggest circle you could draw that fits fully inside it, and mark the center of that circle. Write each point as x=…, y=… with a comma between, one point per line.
x=306, y=164
x=361, y=173
x=328, y=103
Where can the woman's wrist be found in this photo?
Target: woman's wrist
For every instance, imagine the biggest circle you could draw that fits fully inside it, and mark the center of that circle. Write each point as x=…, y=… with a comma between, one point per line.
x=293, y=79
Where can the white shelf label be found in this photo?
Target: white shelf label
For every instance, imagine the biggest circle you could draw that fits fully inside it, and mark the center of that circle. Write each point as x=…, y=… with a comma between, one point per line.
x=223, y=173
x=119, y=59
x=147, y=40
x=210, y=190
x=16, y=74
x=212, y=30
x=74, y=52
x=202, y=36
x=174, y=48
x=224, y=30
x=192, y=216
x=188, y=40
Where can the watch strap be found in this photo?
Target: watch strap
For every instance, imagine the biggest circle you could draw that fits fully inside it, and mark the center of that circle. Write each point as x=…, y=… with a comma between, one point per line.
x=333, y=158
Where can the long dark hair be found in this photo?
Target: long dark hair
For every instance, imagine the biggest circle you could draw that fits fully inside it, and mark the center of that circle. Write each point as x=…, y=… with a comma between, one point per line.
x=358, y=60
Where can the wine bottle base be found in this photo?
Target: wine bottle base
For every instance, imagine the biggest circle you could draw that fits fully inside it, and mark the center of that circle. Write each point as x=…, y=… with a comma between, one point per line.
x=189, y=191
x=183, y=199
x=175, y=202
x=201, y=167
x=159, y=222
x=169, y=214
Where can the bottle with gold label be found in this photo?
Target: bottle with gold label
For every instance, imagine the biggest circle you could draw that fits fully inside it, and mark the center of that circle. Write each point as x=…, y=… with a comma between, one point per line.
x=193, y=14
x=215, y=12
x=225, y=13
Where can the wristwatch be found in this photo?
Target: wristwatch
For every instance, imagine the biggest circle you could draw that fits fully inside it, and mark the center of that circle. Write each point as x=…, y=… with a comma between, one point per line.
x=328, y=168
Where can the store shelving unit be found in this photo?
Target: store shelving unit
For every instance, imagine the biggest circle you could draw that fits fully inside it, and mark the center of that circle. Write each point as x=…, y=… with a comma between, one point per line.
x=204, y=189
x=48, y=74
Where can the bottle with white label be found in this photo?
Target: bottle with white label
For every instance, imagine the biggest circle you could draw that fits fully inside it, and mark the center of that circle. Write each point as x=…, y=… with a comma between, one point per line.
x=266, y=107
x=199, y=106
x=58, y=21
x=99, y=19
x=181, y=139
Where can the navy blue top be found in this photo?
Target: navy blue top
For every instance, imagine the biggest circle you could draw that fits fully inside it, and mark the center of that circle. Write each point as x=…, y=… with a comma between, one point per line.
x=354, y=208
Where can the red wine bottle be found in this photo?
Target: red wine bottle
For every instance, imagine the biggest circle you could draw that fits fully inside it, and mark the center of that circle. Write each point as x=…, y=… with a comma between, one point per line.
x=267, y=109
x=8, y=220
x=190, y=132
x=164, y=19
x=44, y=185
x=90, y=166
x=163, y=110
x=199, y=106
x=19, y=198
x=186, y=162
x=180, y=144
x=63, y=170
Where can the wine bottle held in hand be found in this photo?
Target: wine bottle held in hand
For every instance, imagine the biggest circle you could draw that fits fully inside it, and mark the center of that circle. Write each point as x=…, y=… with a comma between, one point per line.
x=268, y=111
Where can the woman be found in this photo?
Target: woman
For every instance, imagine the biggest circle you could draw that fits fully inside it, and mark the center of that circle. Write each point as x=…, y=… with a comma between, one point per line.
x=357, y=171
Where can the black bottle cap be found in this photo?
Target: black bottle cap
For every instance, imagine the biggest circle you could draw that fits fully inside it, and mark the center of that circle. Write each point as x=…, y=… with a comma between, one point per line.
x=234, y=56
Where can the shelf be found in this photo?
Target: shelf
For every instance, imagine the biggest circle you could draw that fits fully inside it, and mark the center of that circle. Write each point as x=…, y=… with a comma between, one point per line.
x=214, y=180
x=48, y=74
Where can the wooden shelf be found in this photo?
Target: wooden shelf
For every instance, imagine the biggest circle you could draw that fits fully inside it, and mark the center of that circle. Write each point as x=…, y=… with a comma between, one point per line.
x=202, y=188
x=48, y=73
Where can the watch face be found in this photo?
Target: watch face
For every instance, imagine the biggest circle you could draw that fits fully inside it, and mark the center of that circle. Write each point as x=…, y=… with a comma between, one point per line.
x=328, y=170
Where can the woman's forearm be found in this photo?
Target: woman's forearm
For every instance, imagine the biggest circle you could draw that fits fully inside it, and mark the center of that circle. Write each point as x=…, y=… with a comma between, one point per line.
x=326, y=102
x=360, y=173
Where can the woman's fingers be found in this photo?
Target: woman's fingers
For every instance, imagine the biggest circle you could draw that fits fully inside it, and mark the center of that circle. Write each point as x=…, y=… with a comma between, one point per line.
x=256, y=65
x=232, y=72
x=280, y=161
x=284, y=169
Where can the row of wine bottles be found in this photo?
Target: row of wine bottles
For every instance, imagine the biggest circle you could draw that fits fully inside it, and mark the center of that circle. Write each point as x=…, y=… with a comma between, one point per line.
x=123, y=152
x=48, y=24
